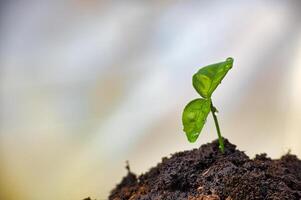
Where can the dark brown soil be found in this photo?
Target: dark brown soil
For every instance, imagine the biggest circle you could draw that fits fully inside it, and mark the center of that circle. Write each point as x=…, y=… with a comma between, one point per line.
x=207, y=174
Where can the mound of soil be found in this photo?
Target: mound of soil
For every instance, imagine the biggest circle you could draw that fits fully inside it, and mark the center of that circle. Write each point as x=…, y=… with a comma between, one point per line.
x=207, y=174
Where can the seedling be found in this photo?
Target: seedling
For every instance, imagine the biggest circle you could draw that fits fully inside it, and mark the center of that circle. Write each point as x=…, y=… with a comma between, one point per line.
x=205, y=81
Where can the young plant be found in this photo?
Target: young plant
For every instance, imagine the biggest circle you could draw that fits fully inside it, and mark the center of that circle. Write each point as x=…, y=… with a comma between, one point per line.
x=205, y=81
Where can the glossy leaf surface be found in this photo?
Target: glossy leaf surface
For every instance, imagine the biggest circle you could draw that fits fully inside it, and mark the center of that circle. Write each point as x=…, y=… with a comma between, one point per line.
x=206, y=80
x=194, y=117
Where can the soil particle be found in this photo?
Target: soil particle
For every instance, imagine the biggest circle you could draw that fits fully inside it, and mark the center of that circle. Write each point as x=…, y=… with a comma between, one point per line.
x=207, y=174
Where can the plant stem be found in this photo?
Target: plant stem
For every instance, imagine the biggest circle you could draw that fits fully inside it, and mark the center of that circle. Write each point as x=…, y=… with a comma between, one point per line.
x=220, y=138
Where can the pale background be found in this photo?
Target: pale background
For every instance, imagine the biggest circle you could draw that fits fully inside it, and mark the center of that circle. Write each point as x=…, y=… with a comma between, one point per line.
x=86, y=85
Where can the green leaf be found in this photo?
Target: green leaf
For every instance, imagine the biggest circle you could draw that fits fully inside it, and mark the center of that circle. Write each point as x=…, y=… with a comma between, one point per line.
x=194, y=117
x=206, y=80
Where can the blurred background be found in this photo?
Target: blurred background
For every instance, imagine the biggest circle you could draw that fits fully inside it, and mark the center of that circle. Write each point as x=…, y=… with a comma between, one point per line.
x=86, y=85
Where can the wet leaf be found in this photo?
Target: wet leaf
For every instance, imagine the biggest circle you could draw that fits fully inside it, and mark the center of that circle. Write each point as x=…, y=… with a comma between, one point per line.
x=206, y=80
x=194, y=117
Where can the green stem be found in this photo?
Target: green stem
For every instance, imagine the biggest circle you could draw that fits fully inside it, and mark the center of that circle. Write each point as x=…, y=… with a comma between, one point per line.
x=220, y=139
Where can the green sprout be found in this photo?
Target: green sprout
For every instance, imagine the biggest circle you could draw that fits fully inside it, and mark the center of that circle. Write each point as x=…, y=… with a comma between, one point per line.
x=205, y=81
